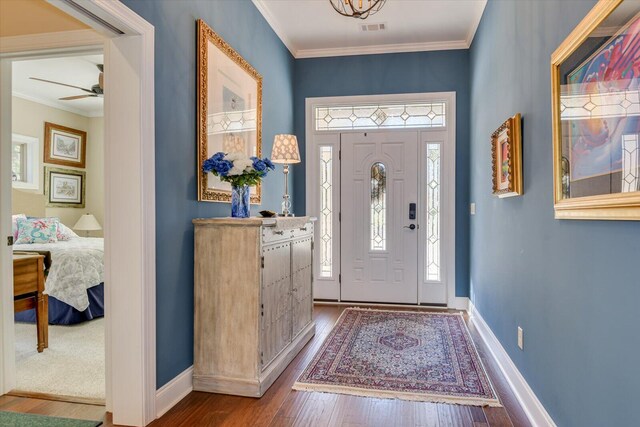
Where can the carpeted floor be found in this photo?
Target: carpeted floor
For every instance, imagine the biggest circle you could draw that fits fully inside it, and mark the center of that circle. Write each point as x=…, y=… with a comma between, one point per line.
x=73, y=365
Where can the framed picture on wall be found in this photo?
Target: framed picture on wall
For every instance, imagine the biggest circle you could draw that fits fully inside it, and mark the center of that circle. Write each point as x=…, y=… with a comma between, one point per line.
x=64, y=146
x=506, y=155
x=229, y=110
x=64, y=188
x=595, y=79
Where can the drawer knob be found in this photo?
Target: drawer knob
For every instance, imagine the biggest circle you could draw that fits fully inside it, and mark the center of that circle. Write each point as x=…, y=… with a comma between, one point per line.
x=303, y=228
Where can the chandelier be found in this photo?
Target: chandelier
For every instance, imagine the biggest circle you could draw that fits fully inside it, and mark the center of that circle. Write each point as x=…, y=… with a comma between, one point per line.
x=360, y=9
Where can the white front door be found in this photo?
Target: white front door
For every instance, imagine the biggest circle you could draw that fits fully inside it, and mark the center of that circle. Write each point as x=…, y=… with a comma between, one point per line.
x=379, y=226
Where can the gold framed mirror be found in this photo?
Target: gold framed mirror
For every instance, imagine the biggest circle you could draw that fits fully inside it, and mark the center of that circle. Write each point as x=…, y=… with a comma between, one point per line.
x=229, y=110
x=595, y=92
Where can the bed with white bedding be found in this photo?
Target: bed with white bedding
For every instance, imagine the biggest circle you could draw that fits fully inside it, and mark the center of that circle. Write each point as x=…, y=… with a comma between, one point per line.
x=74, y=282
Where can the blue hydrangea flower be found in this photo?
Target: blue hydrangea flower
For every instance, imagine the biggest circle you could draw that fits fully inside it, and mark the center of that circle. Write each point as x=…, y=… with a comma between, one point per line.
x=259, y=165
x=223, y=167
x=269, y=164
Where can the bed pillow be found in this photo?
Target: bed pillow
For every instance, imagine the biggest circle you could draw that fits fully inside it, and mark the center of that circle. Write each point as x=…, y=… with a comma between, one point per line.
x=38, y=230
x=65, y=233
x=14, y=224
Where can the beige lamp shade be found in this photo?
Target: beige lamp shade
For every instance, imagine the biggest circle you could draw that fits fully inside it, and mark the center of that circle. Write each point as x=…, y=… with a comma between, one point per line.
x=87, y=222
x=285, y=149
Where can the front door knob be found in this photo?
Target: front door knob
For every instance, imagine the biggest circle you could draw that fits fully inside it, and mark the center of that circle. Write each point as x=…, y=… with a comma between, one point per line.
x=410, y=227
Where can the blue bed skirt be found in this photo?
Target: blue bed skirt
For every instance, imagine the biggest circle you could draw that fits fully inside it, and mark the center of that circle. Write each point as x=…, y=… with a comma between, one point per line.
x=63, y=314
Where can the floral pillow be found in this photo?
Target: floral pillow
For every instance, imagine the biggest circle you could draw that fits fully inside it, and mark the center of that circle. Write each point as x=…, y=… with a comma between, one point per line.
x=14, y=224
x=38, y=230
x=64, y=232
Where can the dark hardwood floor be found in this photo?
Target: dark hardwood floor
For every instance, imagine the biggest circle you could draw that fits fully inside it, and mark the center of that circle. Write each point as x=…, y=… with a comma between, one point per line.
x=281, y=406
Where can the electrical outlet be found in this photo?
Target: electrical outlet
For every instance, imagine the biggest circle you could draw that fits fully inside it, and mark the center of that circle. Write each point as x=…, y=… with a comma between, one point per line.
x=473, y=208
x=520, y=338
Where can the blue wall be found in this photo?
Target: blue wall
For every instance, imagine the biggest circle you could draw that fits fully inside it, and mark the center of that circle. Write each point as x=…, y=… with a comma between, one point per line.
x=573, y=286
x=244, y=28
x=441, y=71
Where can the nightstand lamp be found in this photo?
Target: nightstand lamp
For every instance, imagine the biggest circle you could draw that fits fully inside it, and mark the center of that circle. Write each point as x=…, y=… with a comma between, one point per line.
x=285, y=151
x=87, y=223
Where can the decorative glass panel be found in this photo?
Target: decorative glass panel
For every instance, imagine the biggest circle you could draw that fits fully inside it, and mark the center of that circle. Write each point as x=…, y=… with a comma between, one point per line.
x=326, y=211
x=391, y=116
x=432, y=261
x=630, y=163
x=378, y=207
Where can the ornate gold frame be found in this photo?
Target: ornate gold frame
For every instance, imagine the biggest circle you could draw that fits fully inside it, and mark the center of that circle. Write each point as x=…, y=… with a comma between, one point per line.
x=622, y=206
x=205, y=35
x=514, y=139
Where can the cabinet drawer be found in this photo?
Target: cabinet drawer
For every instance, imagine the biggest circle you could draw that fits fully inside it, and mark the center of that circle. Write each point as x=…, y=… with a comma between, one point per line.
x=271, y=235
x=306, y=230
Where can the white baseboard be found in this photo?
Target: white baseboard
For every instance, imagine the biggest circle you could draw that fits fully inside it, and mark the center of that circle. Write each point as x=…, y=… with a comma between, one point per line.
x=174, y=391
x=534, y=410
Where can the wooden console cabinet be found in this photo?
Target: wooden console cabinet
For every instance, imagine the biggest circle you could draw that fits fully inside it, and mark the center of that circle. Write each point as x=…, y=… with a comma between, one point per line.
x=253, y=301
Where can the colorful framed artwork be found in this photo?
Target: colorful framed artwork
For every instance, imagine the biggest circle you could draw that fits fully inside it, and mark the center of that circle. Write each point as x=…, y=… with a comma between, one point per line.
x=64, y=188
x=506, y=158
x=229, y=111
x=64, y=146
x=595, y=81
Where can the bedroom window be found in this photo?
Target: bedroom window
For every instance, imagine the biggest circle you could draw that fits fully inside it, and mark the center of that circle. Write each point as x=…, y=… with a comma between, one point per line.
x=24, y=161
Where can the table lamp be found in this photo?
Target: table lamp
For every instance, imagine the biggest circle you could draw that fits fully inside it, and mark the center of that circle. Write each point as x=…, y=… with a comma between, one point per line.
x=87, y=223
x=285, y=151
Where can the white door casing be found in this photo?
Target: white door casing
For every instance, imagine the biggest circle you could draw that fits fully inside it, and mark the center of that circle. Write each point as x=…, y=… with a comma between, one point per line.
x=129, y=202
x=431, y=291
x=379, y=250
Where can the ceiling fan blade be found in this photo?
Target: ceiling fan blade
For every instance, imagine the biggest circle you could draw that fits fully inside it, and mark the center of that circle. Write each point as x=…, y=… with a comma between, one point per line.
x=61, y=84
x=71, y=98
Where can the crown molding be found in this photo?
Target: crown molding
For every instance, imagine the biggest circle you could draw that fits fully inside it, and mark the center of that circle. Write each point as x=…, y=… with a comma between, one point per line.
x=380, y=49
x=45, y=41
x=59, y=106
x=476, y=23
x=273, y=23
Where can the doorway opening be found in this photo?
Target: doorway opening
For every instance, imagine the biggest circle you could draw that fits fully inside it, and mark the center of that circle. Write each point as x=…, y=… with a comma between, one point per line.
x=57, y=165
x=381, y=180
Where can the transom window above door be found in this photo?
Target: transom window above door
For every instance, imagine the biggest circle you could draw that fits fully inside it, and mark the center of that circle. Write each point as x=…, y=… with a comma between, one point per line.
x=381, y=116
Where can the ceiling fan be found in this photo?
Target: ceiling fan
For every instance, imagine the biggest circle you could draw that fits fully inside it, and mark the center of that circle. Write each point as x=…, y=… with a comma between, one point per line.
x=96, y=90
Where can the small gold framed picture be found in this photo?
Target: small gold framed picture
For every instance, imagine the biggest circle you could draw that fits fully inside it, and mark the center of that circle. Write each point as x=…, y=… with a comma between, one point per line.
x=506, y=155
x=64, y=145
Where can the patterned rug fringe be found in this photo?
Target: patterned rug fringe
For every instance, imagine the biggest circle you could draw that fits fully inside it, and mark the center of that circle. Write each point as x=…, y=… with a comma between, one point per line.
x=382, y=394
x=391, y=310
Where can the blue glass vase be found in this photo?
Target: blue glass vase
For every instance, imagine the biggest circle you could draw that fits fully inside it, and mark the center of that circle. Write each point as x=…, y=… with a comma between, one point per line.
x=240, y=201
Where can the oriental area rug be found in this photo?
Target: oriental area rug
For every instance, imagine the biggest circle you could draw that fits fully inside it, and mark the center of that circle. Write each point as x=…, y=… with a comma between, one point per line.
x=410, y=355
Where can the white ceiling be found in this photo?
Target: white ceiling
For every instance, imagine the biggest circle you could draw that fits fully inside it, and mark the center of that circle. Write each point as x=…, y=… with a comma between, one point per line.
x=311, y=28
x=74, y=70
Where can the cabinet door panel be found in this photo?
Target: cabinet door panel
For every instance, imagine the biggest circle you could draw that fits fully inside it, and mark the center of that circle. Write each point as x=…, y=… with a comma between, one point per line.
x=301, y=259
x=276, y=300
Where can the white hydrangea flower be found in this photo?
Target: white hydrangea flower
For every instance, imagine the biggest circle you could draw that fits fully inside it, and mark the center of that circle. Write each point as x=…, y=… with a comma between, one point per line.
x=232, y=157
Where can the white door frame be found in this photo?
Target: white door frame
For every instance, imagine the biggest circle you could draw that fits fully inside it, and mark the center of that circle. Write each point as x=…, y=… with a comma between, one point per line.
x=329, y=288
x=129, y=200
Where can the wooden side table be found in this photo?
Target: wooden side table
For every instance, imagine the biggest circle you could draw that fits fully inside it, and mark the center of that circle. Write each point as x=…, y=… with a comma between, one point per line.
x=28, y=292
